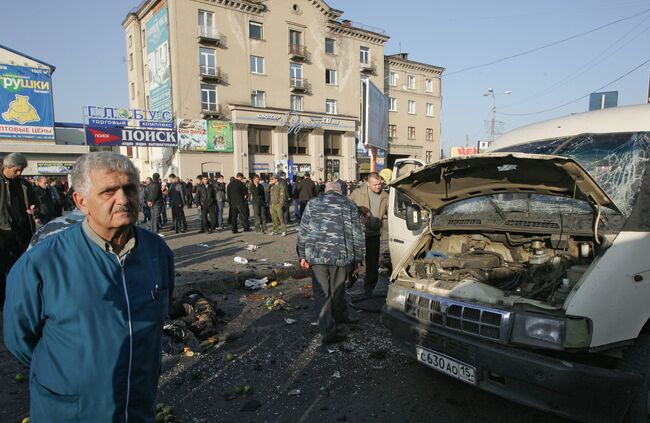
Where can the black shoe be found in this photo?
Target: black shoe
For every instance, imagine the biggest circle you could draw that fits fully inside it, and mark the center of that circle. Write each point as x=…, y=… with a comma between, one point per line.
x=235, y=232
x=334, y=339
x=247, y=229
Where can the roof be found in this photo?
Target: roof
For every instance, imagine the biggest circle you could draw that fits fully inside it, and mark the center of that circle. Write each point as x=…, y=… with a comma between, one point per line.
x=611, y=120
x=52, y=67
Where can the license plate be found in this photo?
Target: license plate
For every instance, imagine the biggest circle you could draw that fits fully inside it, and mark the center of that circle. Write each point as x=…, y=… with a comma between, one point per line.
x=446, y=364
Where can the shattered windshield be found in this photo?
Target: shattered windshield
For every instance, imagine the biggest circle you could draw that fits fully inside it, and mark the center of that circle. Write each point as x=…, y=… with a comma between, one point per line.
x=617, y=162
x=518, y=202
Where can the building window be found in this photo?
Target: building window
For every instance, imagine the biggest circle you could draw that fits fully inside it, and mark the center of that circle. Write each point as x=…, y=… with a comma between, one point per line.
x=329, y=46
x=295, y=73
x=259, y=140
x=255, y=30
x=429, y=109
x=411, y=106
x=392, y=79
x=132, y=91
x=364, y=55
x=257, y=64
x=207, y=61
x=130, y=40
x=296, y=103
x=330, y=76
x=332, y=141
x=330, y=106
x=429, y=133
x=410, y=82
x=428, y=157
x=411, y=132
x=392, y=131
x=299, y=143
x=206, y=20
x=258, y=99
x=209, y=97
x=428, y=85
x=295, y=38
x=392, y=104
x=130, y=61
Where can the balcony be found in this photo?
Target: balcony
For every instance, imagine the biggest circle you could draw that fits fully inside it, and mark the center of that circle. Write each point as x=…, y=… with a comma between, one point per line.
x=210, y=73
x=299, y=85
x=369, y=67
x=212, y=110
x=208, y=35
x=298, y=52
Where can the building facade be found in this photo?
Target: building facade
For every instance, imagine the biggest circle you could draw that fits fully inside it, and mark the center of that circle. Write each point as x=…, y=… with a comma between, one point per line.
x=27, y=117
x=415, y=103
x=281, y=77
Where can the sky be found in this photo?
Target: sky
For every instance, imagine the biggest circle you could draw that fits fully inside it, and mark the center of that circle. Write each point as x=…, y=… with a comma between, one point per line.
x=549, y=55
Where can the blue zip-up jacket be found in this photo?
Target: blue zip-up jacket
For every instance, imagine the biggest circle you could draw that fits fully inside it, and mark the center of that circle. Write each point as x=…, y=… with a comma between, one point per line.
x=331, y=231
x=90, y=326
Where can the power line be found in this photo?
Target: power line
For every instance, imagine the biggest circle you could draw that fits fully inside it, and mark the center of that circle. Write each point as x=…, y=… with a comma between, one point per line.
x=503, y=59
x=579, y=98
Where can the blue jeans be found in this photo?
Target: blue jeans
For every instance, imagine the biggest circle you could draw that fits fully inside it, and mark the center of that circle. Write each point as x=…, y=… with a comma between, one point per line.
x=154, y=223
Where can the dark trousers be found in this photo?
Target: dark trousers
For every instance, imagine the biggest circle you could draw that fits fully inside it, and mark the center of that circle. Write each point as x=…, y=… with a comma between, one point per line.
x=178, y=215
x=287, y=212
x=146, y=213
x=303, y=204
x=329, y=297
x=372, y=263
x=188, y=200
x=237, y=210
x=11, y=247
x=205, y=212
x=155, y=223
x=260, y=217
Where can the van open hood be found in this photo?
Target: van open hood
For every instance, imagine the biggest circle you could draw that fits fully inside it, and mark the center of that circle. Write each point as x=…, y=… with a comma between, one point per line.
x=459, y=178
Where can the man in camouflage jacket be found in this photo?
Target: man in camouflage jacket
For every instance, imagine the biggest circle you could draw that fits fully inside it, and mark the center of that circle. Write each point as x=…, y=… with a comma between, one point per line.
x=331, y=240
x=278, y=200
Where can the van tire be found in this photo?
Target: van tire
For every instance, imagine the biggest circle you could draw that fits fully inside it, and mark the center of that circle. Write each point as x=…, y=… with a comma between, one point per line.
x=637, y=360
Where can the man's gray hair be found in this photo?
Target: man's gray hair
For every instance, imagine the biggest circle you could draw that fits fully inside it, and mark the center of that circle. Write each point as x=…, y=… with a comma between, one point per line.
x=15, y=160
x=100, y=160
x=333, y=186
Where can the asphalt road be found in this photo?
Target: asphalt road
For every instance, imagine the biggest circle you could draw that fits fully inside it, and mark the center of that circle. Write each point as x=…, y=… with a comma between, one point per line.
x=289, y=375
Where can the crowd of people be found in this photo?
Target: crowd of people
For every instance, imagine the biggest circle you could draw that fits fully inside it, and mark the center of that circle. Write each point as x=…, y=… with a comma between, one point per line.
x=108, y=288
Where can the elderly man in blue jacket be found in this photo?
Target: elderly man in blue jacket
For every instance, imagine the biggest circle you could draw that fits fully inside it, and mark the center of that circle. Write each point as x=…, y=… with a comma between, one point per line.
x=85, y=307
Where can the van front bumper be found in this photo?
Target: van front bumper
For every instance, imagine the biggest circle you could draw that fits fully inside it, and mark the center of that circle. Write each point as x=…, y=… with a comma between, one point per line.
x=569, y=389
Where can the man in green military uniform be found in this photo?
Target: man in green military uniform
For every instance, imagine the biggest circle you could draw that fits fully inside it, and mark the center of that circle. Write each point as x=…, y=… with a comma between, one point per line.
x=278, y=198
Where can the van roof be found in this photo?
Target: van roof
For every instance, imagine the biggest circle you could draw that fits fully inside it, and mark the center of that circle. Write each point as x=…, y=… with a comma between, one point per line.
x=612, y=120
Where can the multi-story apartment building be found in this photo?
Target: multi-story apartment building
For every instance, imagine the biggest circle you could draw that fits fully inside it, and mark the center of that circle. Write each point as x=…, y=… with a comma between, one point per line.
x=283, y=74
x=415, y=102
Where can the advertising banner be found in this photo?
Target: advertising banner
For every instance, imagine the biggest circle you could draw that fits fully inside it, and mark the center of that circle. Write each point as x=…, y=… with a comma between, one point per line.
x=262, y=167
x=107, y=116
x=376, y=117
x=463, y=151
x=26, y=103
x=220, y=136
x=54, y=168
x=281, y=166
x=130, y=137
x=158, y=59
x=192, y=135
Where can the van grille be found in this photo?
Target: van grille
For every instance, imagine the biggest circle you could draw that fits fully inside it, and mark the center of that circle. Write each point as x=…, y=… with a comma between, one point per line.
x=471, y=319
x=532, y=224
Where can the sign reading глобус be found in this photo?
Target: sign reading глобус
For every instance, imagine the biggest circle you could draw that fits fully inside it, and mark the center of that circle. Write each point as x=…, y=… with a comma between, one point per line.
x=26, y=103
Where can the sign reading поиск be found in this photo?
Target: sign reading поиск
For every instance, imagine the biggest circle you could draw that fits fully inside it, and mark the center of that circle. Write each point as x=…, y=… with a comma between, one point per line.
x=130, y=137
x=26, y=103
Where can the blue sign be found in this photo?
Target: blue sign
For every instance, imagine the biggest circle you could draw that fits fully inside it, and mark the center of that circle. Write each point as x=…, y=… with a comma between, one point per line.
x=130, y=137
x=107, y=122
x=26, y=103
x=158, y=59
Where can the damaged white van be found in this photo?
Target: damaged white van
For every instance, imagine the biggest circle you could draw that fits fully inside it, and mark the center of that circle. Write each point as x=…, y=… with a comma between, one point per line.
x=530, y=273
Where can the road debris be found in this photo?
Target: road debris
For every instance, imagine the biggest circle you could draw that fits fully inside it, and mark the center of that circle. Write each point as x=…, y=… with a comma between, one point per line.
x=240, y=260
x=254, y=284
x=193, y=325
x=294, y=392
x=251, y=247
x=290, y=321
x=203, y=245
x=337, y=375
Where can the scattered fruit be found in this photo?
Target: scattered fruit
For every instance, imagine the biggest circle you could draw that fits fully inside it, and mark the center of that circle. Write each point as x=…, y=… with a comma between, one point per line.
x=20, y=377
x=25, y=420
x=230, y=356
x=248, y=389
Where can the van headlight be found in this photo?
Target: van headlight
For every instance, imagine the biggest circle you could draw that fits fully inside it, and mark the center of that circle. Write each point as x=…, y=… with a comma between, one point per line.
x=551, y=332
x=396, y=297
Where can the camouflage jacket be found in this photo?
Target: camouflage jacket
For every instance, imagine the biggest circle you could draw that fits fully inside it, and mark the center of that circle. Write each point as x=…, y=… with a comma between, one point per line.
x=278, y=195
x=331, y=231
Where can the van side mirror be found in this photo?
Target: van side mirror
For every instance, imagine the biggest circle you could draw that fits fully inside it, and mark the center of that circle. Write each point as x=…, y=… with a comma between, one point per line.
x=413, y=217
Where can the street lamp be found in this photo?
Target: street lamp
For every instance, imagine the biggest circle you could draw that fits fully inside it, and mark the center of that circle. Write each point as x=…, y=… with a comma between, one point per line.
x=493, y=122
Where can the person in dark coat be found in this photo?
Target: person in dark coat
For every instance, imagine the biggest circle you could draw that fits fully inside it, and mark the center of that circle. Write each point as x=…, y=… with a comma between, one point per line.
x=188, y=188
x=205, y=198
x=306, y=191
x=237, y=195
x=176, y=202
x=56, y=190
x=258, y=197
x=220, y=185
x=46, y=210
x=154, y=196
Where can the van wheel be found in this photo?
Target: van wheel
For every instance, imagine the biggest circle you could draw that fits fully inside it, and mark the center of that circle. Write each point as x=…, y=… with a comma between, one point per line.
x=637, y=360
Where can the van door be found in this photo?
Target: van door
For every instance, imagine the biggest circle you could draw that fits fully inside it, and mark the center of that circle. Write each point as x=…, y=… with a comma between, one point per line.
x=399, y=237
